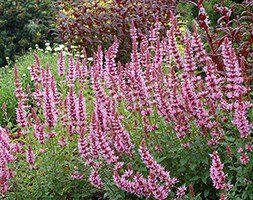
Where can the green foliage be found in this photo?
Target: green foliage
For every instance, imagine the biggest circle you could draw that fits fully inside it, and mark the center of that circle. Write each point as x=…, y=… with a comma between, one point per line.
x=24, y=24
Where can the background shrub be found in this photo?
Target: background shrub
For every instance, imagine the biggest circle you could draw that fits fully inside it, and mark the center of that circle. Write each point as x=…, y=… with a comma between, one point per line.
x=24, y=24
x=97, y=22
x=234, y=21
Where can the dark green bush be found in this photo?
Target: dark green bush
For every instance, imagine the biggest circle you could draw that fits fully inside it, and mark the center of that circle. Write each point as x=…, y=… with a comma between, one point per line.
x=24, y=24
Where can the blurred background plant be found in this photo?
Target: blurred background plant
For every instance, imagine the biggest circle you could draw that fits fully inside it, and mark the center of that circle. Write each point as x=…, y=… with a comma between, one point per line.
x=92, y=23
x=24, y=24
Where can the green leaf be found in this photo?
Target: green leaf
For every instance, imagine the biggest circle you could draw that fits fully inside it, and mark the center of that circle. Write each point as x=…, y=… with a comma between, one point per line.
x=183, y=161
x=206, y=193
x=161, y=159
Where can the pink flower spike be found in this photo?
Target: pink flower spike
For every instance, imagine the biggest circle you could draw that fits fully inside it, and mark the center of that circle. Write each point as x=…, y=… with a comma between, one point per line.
x=181, y=191
x=61, y=63
x=49, y=107
x=21, y=115
x=95, y=180
x=5, y=157
x=30, y=158
x=62, y=142
x=72, y=106
x=216, y=173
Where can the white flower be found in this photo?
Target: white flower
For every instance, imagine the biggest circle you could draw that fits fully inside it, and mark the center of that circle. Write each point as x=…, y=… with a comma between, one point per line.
x=48, y=48
x=61, y=46
x=57, y=49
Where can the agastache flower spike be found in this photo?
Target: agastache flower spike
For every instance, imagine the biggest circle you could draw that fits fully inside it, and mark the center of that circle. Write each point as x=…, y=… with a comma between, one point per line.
x=72, y=106
x=61, y=63
x=19, y=93
x=234, y=76
x=189, y=65
x=55, y=92
x=38, y=68
x=216, y=173
x=83, y=69
x=37, y=94
x=21, y=115
x=81, y=114
x=84, y=148
x=39, y=131
x=30, y=158
x=139, y=186
x=49, y=107
x=240, y=119
x=5, y=157
x=94, y=149
x=110, y=65
x=173, y=47
x=154, y=167
x=102, y=141
x=122, y=138
x=198, y=46
x=212, y=80
x=71, y=75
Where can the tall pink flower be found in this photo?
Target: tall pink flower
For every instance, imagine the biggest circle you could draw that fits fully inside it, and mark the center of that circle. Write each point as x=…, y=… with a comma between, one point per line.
x=72, y=105
x=155, y=168
x=102, y=140
x=198, y=45
x=235, y=87
x=71, y=74
x=216, y=173
x=212, y=80
x=5, y=157
x=138, y=186
x=19, y=93
x=240, y=118
x=83, y=147
x=122, y=139
x=61, y=63
x=39, y=131
x=173, y=49
x=81, y=114
x=21, y=115
x=30, y=158
x=110, y=65
x=49, y=107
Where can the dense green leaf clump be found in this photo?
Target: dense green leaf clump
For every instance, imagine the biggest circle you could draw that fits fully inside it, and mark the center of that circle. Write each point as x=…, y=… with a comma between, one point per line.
x=22, y=25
